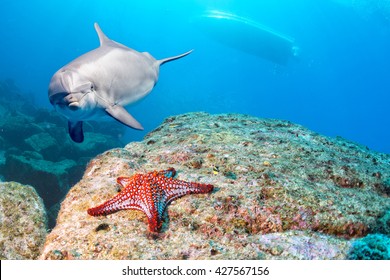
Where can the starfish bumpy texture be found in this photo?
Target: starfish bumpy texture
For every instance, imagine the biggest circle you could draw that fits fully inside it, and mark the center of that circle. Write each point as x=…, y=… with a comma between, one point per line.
x=149, y=193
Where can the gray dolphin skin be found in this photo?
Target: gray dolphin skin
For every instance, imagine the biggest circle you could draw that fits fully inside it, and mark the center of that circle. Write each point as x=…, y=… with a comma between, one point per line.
x=101, y=82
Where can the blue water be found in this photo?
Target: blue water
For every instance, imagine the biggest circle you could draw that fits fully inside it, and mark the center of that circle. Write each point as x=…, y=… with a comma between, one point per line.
x=338, y=86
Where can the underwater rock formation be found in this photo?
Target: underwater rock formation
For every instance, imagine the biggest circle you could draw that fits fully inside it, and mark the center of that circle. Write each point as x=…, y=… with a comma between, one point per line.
x=281, y=192
x=35, y=148
x=23, y=222
x=51, y=180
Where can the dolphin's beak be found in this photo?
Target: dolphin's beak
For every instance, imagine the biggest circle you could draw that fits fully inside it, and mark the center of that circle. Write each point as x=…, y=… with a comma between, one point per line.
x=74, y=106
x=59, y=88
x=58, y=98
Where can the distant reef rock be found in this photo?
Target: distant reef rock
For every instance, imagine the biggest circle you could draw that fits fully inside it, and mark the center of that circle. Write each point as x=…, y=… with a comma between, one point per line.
x=23, y=222
x=281, y=191
x=35, y=148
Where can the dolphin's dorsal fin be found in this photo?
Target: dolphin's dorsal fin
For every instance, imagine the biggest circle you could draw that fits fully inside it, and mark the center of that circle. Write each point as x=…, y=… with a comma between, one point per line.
x=102, y=37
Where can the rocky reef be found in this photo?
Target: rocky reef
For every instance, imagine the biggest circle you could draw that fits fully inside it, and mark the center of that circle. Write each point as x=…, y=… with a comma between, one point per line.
x=281, y=191
x=23, y=222
x=36, y=150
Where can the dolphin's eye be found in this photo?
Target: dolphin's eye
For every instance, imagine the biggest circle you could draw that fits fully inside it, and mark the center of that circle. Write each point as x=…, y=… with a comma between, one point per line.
x=92, y=87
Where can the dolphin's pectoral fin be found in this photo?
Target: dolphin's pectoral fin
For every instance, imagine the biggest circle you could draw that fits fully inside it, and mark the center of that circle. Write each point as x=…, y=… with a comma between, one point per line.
x=76, y=131
x=120, y=114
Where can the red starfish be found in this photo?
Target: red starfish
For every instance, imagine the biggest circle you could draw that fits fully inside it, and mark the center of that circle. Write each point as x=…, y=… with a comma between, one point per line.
x=149, y=193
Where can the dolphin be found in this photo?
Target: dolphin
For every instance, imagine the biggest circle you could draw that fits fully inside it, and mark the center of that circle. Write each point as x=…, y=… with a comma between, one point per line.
x=101, y=82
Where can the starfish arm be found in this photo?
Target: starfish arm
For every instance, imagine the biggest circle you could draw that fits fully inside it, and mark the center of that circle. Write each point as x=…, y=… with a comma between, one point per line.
x=111, y=206
x=125, y=200
x=177, y=188
x=155, y=221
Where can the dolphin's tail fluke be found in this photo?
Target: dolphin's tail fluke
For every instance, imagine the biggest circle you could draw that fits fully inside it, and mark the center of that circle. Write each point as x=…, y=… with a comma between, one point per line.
x=162, y=61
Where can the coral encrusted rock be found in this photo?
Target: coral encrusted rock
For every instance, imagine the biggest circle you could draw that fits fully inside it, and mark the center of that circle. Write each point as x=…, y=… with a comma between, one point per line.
x=50, y=179
x=281, y=191
x=23, y=222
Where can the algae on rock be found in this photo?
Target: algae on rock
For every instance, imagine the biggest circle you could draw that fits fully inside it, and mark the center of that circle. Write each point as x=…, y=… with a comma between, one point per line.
x=23, y=222
x=281, y=192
